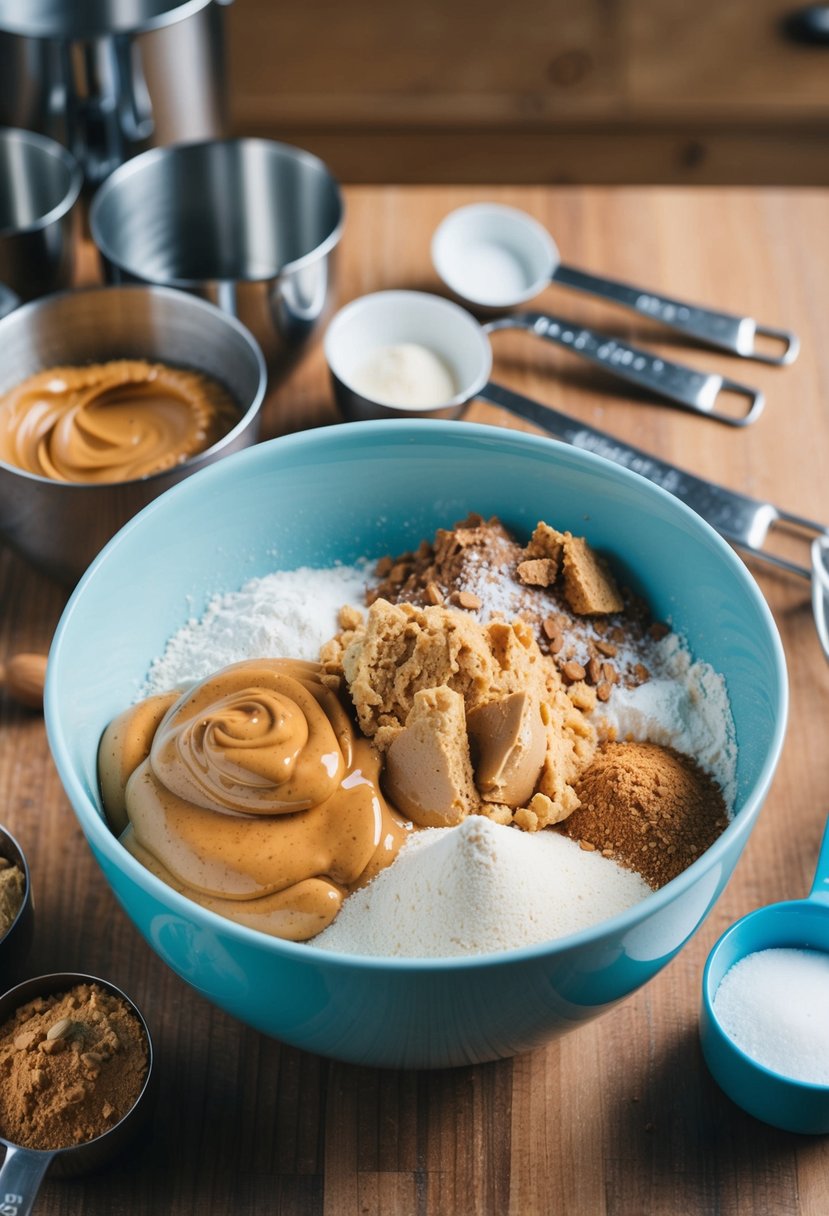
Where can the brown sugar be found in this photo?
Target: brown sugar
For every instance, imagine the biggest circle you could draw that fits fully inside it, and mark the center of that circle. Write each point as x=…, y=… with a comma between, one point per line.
x=72, y=1065
x=652, y=809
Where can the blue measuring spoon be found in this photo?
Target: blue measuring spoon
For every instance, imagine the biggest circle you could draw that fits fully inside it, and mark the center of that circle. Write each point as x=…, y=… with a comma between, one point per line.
x=784, y=1102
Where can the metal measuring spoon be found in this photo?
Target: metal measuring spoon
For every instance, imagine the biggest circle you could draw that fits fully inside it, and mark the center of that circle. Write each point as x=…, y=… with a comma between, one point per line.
x=417, y=312
x=493, y=256
x=802, y=924
x=393, y=317
x=24, y=1168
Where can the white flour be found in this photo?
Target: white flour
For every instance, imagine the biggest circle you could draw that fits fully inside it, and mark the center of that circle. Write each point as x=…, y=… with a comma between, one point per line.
x=479, y=888
x=286, y=615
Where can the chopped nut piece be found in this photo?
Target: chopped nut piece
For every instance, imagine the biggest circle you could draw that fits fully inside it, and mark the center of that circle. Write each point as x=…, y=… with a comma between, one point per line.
x=383, y=567
x=466, y=599
x=556, y=643
x=659, y=630
x=587, y=846
x=59, y=1029
x=434, y=594
x=572, y=671
x=399, y=573
x=610, y=673
x=593, y=671
x=608, y=649
x=641, y=673
x=604, y=690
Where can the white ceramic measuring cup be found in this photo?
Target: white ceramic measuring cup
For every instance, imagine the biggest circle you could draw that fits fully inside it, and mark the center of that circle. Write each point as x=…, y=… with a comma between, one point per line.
x=387, y=318
x=493, y=256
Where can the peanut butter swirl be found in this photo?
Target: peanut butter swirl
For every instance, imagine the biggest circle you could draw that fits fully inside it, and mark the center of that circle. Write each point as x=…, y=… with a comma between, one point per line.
x=114, y=421
x=252, y=794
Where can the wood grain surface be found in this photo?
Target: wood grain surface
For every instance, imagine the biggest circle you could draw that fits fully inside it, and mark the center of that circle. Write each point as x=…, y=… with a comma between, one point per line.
x=620, y=1117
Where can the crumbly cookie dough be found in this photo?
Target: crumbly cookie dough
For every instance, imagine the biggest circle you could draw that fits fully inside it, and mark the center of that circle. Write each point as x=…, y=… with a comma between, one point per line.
x=401, y=666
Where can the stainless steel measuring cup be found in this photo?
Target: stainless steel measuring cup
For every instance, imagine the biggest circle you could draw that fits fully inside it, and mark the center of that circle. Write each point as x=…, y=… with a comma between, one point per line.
x=24, y=1169
x=109, y=78
x=493, y=256
x=16, y=942
x=251, y=225
x=390, y=317
x=396, y=317
x=39, y=185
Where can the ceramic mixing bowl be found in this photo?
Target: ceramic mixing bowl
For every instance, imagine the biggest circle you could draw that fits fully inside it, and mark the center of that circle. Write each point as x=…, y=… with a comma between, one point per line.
x=370, y=489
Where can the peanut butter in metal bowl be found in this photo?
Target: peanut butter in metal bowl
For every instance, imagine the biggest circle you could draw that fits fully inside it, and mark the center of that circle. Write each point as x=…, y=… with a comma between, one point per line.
x=253, y=794
x=109, y=422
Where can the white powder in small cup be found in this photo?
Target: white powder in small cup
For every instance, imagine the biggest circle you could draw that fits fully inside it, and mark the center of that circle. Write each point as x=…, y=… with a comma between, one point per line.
x=774, y=1004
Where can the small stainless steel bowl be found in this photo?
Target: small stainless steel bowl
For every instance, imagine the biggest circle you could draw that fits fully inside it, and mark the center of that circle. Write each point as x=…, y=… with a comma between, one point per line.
x=250, y=224
x=24, y=1168
x=16, y=942
x=60, y=526
x=39, y=185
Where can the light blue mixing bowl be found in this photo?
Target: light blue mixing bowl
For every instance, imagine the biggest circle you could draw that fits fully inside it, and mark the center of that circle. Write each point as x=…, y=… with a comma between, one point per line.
x=369, y=489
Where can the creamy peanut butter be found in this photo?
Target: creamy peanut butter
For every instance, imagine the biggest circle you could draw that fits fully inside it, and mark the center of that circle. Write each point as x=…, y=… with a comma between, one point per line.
x=252, y=794
x=114, y=421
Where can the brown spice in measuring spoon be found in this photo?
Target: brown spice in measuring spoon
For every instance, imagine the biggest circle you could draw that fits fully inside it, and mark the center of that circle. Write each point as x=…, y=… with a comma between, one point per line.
x=72, y=1065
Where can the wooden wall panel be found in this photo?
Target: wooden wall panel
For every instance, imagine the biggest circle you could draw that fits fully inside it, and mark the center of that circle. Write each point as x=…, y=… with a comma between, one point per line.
x=599, y=91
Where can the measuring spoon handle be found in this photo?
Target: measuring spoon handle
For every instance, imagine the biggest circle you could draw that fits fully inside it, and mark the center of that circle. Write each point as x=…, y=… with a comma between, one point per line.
x=820, y=887
x=20, y=1178
x=725, y=330
x=681, y=385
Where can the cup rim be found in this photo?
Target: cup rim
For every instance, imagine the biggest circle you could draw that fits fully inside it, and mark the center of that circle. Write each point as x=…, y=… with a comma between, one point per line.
x=175, y=13
x=138, y=164
x=57, y=151
x=253, y=408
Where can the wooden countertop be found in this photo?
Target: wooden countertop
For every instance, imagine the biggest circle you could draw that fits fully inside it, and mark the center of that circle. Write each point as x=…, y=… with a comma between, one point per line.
x=620, y=1116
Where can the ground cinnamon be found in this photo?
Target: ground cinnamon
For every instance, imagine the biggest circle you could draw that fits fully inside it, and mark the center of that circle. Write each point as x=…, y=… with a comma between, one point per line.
x=72, y=1065
x=650, y=808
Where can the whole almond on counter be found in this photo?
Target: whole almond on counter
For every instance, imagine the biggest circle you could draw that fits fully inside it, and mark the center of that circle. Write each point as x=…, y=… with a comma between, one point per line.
x=24, y=676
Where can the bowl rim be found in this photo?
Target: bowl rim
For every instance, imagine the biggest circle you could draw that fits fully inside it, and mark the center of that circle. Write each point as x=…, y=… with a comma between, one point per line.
x=49, y=147
x=101, y=838
x=137, y=164
x=180, y=298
